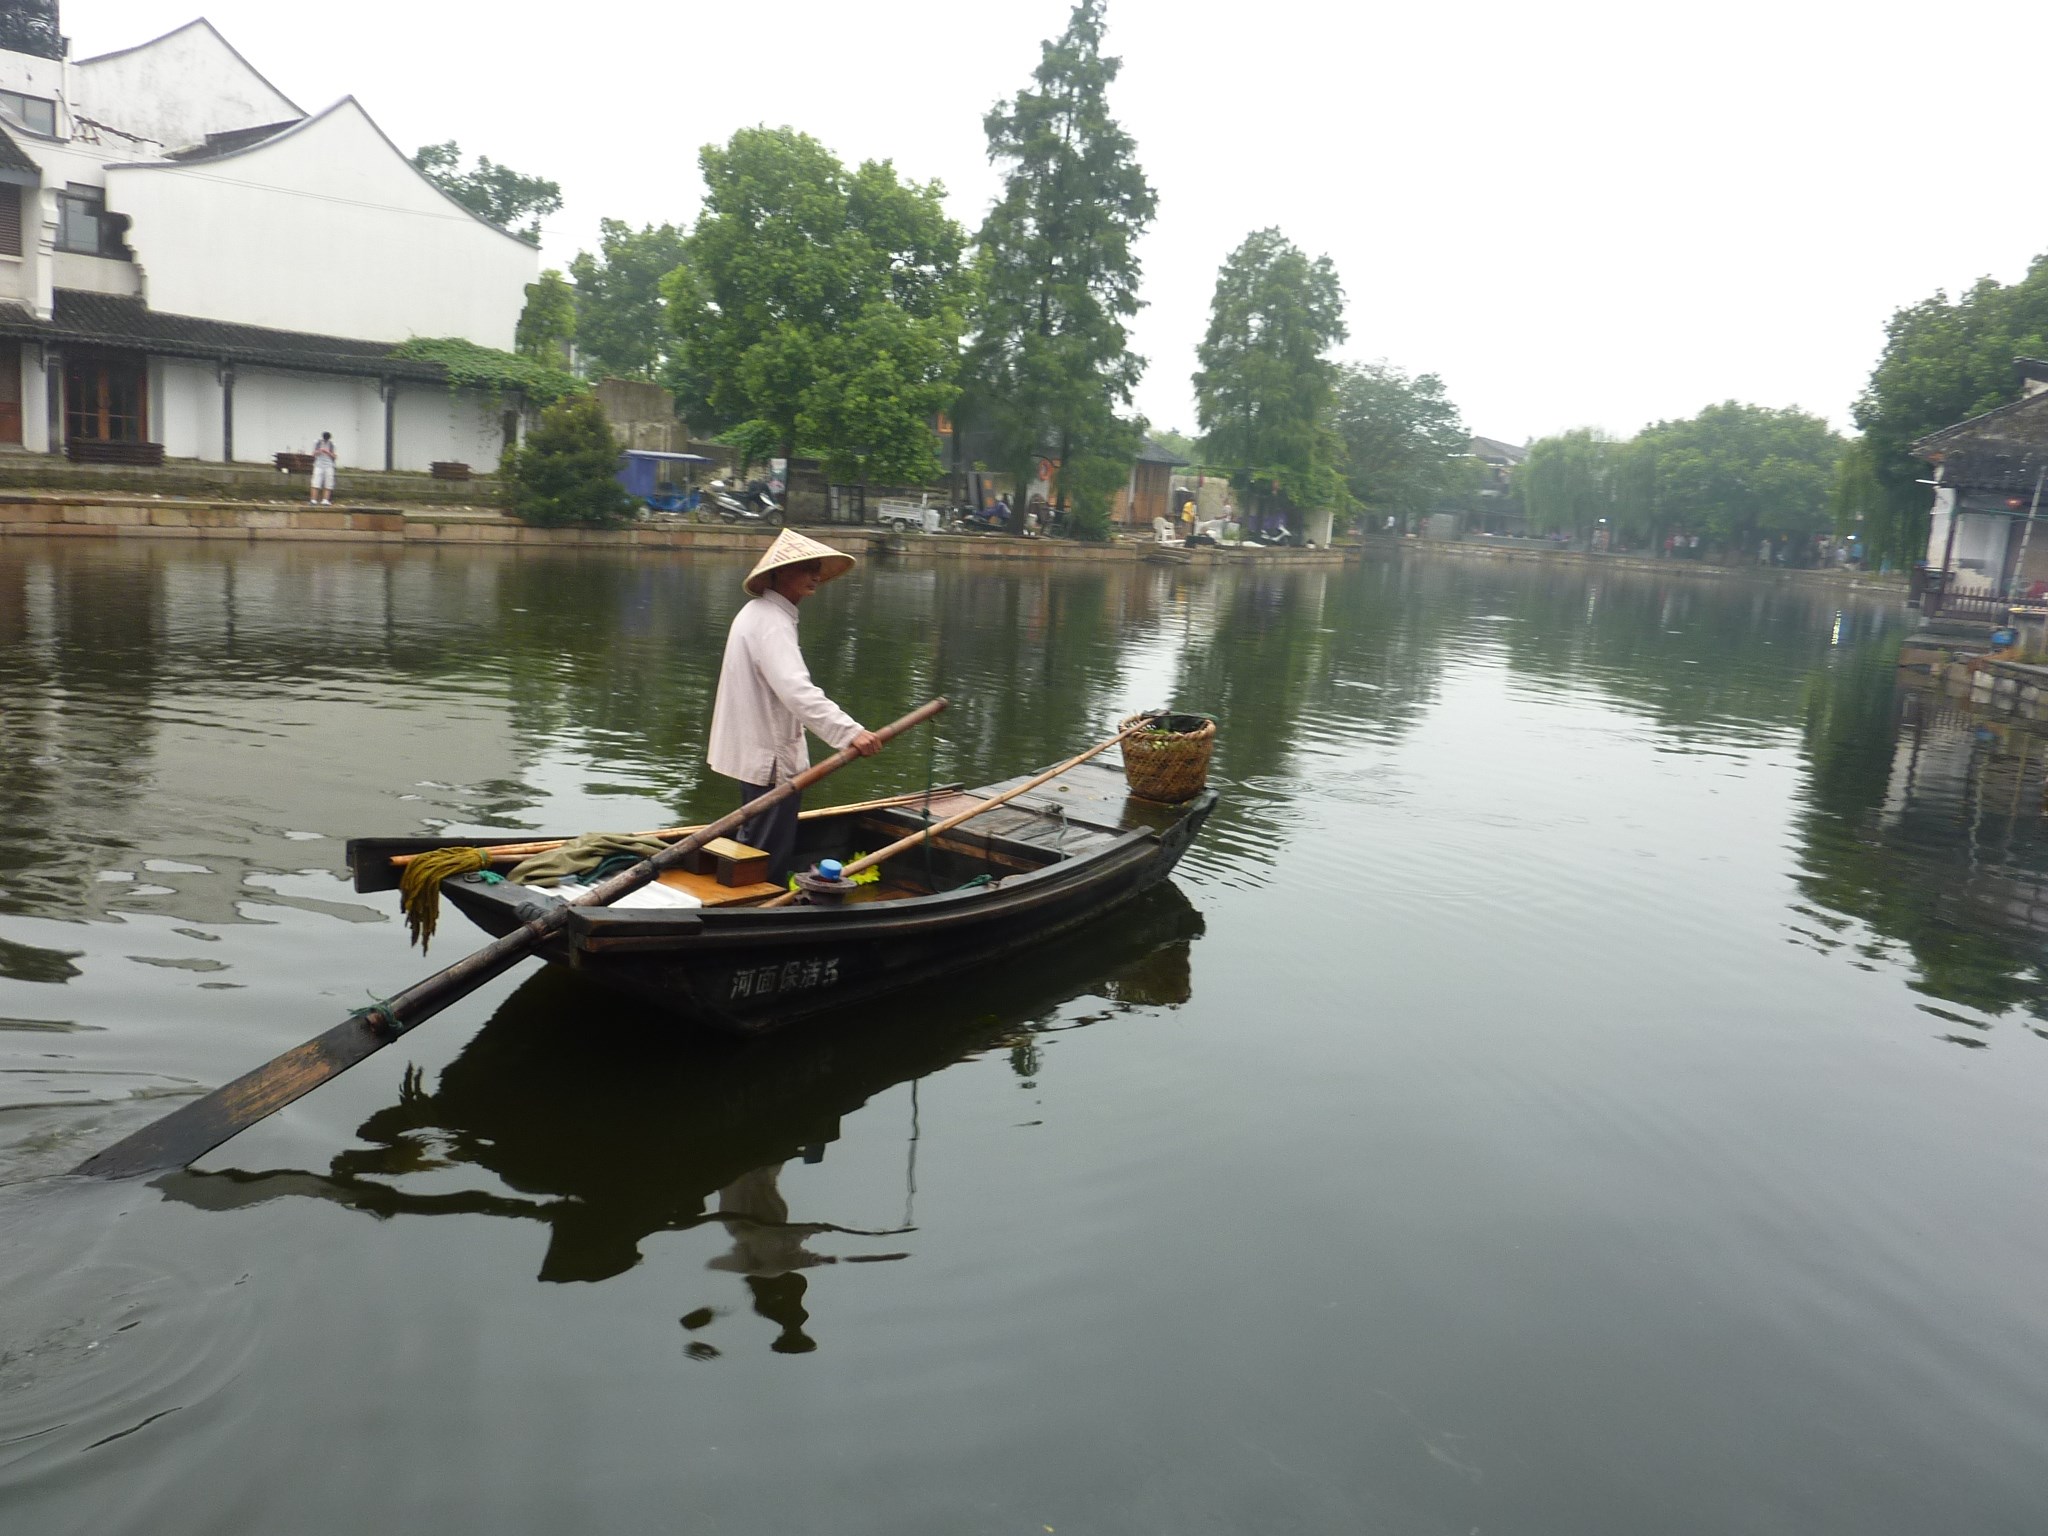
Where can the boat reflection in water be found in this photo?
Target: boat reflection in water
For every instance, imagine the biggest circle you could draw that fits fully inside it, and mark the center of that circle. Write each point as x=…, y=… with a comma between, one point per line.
x=612, y=1125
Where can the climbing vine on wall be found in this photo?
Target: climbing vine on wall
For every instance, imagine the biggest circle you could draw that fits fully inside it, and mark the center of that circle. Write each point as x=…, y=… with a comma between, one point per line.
x=470, y=366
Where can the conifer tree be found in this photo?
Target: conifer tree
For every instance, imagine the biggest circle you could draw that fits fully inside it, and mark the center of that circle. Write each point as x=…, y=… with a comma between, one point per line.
x=562, y=474
x=1049, y=368
x=1266, y=389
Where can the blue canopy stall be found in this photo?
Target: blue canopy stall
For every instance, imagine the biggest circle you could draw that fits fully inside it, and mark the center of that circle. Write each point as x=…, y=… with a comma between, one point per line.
x=650, y=476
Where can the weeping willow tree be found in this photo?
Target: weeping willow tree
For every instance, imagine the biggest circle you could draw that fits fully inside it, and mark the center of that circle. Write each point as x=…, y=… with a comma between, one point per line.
x=1564, y=482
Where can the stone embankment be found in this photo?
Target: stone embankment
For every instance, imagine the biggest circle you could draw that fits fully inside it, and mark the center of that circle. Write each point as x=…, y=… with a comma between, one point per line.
x=78, y=515
x=1510, y=552
x=2010, y=687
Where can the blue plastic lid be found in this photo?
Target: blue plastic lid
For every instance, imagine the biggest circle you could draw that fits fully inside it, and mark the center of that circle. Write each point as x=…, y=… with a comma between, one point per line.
x=829, y=869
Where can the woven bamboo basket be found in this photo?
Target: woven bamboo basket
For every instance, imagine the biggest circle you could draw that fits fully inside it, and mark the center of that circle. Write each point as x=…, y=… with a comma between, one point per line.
x=1171, y=762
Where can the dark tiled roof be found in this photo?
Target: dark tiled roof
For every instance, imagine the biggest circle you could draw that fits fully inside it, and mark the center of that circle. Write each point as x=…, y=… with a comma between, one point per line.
x=2011, y=469
x=108, y=320
x=1150, y=452
x=12, y=158
x=1494, y=448
x=2017, y=421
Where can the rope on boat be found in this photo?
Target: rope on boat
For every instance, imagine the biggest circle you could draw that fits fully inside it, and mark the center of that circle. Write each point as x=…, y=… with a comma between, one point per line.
x=379, y=1013
x=419, y=888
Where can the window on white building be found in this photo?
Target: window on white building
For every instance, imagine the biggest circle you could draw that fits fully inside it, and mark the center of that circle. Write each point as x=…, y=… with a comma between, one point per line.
x=83, y=225
x=10, y=223
x=38, y=112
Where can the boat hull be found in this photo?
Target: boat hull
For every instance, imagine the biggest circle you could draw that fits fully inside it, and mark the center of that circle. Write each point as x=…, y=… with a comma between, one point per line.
x=747, y=970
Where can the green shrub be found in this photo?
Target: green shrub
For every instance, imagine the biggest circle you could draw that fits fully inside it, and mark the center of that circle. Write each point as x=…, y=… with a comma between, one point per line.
x=562, y=473
x=1091, y=483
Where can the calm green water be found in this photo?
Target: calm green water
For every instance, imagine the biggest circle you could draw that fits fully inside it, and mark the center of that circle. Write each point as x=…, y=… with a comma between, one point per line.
x=1587, y=1078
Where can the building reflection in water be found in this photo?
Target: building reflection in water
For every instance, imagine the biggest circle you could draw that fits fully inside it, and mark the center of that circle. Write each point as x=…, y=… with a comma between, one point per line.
x=1926, y=824
x=608, y=1125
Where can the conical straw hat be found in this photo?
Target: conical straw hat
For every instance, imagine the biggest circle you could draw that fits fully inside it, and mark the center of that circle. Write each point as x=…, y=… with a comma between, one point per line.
x=792, y=548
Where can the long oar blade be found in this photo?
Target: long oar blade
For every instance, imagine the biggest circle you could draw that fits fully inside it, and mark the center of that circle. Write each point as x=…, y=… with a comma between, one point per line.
x=194, y=1129
x=203, y=1124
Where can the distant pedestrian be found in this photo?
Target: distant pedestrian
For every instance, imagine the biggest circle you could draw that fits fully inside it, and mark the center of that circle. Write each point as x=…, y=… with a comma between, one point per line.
x=323, y=470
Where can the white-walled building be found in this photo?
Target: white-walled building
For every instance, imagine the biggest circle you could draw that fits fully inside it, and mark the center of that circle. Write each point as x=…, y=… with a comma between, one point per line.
x=190, y=263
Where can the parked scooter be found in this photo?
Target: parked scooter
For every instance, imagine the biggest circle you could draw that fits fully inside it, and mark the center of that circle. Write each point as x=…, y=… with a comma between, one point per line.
x=983, y=519
x=752, y=505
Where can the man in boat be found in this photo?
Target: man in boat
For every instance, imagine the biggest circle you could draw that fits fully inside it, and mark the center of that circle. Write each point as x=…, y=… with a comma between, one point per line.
x=766, y=696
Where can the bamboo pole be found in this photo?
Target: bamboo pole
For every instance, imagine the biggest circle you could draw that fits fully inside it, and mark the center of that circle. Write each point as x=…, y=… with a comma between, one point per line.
x=903, y=843
x=501, y=852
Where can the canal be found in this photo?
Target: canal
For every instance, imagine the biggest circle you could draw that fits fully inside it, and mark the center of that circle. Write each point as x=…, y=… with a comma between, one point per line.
x=1587, y=1077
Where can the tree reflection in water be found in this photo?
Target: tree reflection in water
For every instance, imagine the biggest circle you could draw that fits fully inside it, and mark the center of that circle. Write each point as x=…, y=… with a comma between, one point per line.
x=609, y=1124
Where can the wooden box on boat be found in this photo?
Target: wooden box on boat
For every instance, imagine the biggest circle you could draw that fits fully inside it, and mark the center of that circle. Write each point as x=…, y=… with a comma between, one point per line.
x=732, y=861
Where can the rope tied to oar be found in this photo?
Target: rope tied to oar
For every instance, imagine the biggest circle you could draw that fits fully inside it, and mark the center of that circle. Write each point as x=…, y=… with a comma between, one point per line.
x=419, y=888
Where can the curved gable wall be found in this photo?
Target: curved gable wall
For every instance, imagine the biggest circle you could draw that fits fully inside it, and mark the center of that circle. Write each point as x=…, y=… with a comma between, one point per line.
x=326, y=228
x=178, y=88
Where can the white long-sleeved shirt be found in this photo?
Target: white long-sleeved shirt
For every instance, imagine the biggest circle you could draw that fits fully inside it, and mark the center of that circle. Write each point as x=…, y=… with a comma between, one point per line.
x=766, y=698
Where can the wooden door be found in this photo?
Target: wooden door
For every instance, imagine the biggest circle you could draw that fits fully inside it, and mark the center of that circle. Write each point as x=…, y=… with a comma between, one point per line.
x=10, y=393
x=106, y=399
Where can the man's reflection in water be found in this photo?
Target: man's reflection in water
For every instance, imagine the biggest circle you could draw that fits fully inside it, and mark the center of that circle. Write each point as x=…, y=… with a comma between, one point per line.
x=769, y=1250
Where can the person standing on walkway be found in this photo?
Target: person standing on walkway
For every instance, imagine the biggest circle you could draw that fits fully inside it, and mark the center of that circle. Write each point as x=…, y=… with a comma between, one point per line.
x=766, y=697
x=323, y=470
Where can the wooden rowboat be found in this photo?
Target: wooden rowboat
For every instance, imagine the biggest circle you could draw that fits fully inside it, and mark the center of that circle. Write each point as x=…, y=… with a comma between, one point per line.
x=1042, y=864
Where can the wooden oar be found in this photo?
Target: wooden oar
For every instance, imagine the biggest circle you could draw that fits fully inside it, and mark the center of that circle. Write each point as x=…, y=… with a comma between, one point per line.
x=502, y=852
x=200, y=1126
x=902, y=844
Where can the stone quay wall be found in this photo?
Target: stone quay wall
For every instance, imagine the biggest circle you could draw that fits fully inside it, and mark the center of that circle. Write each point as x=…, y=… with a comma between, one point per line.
x=72, y=515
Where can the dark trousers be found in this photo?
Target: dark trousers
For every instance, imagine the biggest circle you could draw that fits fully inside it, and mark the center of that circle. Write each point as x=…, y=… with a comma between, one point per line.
x=773, y=831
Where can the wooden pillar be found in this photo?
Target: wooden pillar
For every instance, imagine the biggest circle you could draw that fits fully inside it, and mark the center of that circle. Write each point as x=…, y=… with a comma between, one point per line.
x=389, y=389
x=227, y=412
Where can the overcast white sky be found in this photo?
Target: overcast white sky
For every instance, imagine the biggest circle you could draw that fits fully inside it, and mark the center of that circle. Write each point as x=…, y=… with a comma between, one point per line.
x=1587, y=212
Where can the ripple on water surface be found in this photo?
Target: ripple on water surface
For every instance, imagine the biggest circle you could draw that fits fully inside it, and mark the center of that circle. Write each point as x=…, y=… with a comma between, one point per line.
x=103, y=1356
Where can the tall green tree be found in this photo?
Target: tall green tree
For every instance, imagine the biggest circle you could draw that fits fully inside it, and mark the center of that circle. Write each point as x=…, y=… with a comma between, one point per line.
x=1266, y=390
x=819, y=309
x=1049, y=369
x=1733, y=474
x=1738, y=472
x=495, y=193
x=1402, y=437
x=31, y=26
x=620, y=325
x=1943, y=360
x=548, y=322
